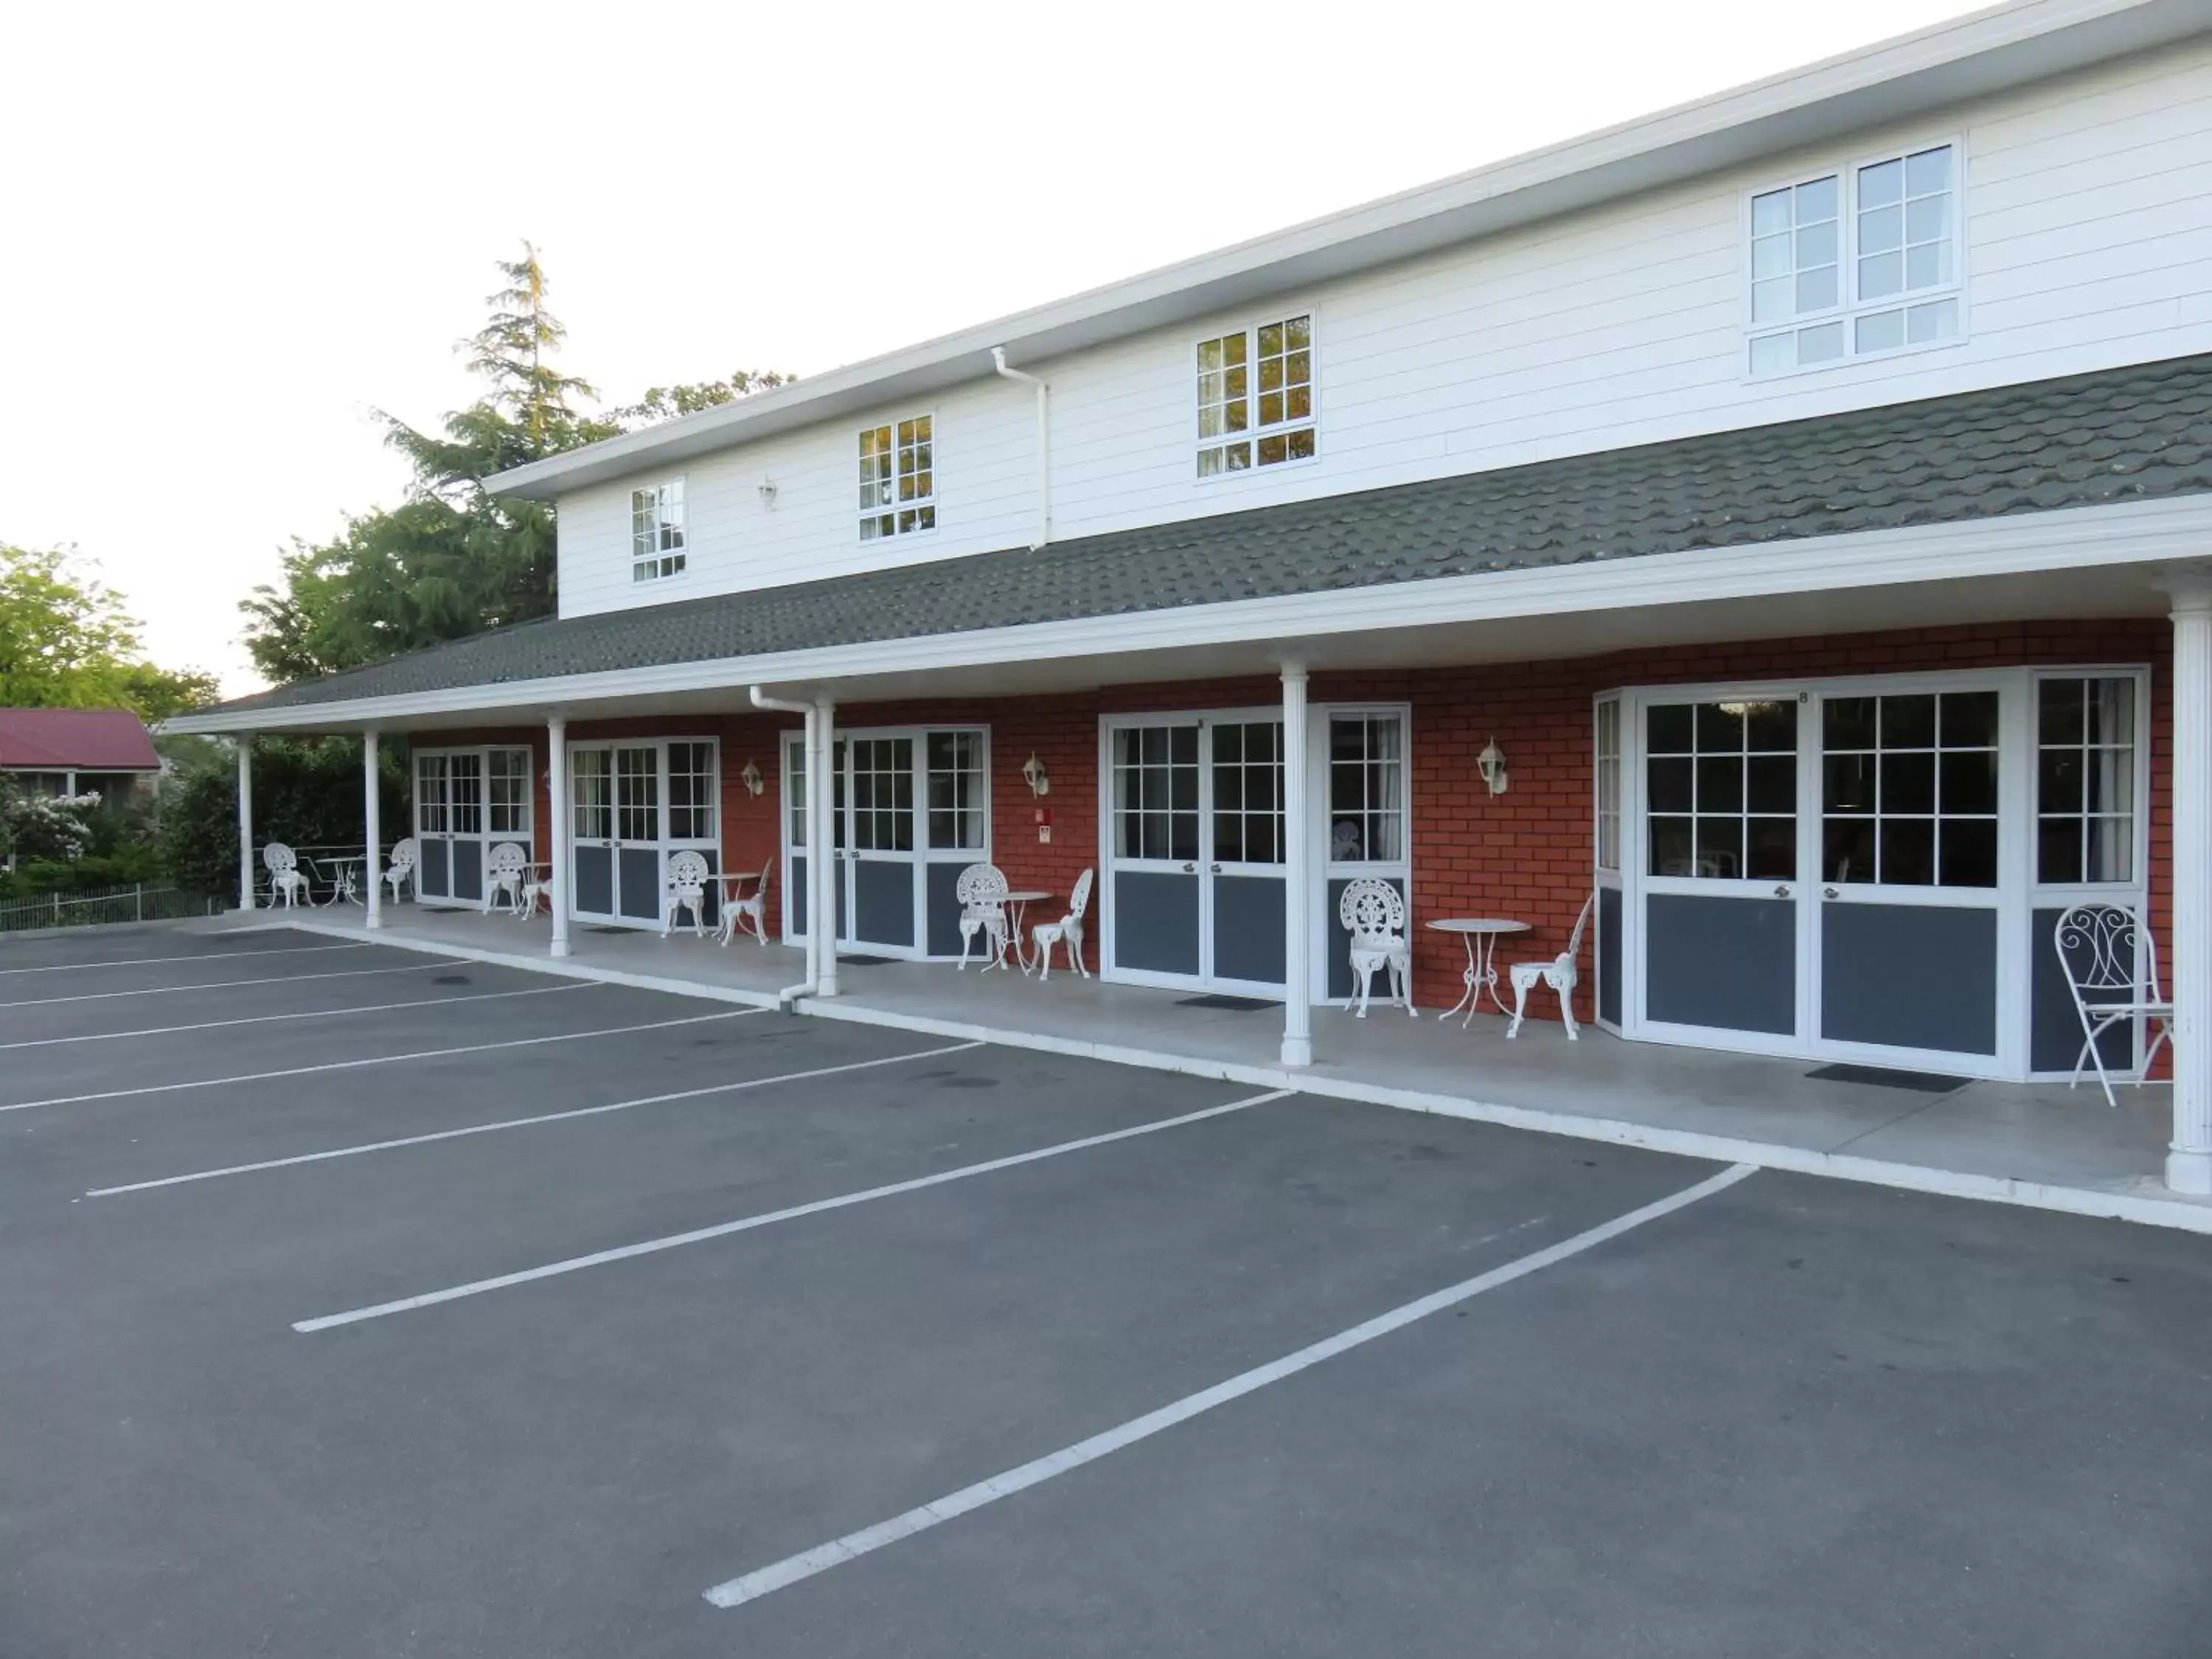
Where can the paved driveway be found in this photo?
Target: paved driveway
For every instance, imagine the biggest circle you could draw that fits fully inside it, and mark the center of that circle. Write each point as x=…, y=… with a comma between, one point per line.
x=356, y=1302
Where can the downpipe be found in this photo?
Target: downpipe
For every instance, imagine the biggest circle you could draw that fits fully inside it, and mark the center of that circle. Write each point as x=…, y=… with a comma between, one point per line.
x=1043, y=443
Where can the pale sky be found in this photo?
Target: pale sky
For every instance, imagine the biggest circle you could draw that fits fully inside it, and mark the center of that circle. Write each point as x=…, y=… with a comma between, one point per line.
x=227, y=233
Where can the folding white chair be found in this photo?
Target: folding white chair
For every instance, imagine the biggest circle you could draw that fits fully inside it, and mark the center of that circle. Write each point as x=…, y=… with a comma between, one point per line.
x=2100, y=947
x=752, y=908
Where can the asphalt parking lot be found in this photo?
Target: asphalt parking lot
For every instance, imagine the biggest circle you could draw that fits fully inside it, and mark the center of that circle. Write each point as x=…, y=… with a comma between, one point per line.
x=354, y=1302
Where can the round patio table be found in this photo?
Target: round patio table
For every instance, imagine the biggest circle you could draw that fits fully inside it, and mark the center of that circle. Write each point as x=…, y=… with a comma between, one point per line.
x=1018, y=903
x=1479, y=934
x=343, y=875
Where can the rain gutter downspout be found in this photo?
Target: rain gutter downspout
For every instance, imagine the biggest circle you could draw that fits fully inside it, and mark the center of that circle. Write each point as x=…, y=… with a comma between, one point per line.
x=791, y=993
x=1043, y=443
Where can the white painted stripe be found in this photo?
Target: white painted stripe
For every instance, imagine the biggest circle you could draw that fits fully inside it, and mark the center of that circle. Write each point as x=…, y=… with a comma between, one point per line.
x=752, y=1586
x=198, y=956
x=747, y=1224
x=216, y=985
x=374, y=1059
x=307, y=1013
x=527, y=1123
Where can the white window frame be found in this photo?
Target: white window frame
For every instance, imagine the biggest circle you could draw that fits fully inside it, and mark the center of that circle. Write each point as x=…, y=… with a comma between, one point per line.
x=1849, y=308
x=1310, y=421
x=1325, y=929
x=661, y=563
x=865, y=516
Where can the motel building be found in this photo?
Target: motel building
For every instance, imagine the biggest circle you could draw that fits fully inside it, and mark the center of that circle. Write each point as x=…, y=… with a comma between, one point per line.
x=1774, y=534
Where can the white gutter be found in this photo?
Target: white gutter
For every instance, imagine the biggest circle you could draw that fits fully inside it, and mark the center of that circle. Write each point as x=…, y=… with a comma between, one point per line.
x=1043, y=443
x=805, y=988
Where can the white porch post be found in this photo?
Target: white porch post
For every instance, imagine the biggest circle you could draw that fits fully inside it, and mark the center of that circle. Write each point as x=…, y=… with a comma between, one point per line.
x=822, y=845
x=2188, y=1161
x=244, y=821
x=556, y=829
x=1298, y=1016
x=372, y=829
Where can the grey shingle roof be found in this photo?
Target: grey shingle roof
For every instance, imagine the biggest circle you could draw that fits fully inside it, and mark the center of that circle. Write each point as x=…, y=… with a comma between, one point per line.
x=2118, y=435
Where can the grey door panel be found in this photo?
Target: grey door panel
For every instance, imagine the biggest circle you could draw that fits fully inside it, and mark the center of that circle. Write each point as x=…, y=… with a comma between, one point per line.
x=1608, y=955
x=468, y=871
x=1156, y=921
x=1341, y=981
x=639, y=886
x=2054, y=1030
x=796, y=886
x=941, y=904
x=433, y=868
x=883, y=902
x=1909, y=976
x=595, y=880
x=1247, y=928
x=1727, y=964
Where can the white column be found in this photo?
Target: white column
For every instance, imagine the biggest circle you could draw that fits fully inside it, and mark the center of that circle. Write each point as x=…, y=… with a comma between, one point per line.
x=371, y=867
x=1298, y=1016
x=822, y=870
x=2188, y=1161
x=557, y=829
x=244, y=821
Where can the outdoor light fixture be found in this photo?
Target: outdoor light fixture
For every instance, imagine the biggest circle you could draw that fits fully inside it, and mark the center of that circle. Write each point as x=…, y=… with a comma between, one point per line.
x=767, y=498
x=1033, y=774
x=750, y=777
x=1491, y=762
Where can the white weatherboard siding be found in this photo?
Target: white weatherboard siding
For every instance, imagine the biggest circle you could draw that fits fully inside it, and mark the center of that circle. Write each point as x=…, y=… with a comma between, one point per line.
x=2088, y=204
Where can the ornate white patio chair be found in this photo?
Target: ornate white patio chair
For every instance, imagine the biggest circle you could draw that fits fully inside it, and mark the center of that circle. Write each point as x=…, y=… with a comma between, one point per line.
x=752, y=909
x=981, y=891
x=285, y=881
x=505, y=873
x=1067, y=930
x=537, y=888
x=1344, y=842
x=1562, y=973
x=1374, y=913
x=399, y=869
x=2099, y=948
x=687, y=890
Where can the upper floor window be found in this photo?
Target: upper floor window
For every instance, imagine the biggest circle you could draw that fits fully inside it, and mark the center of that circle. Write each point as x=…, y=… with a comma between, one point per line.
x=1256, y=397
x=1855, y=263
x=898, y=479
x=656, y=531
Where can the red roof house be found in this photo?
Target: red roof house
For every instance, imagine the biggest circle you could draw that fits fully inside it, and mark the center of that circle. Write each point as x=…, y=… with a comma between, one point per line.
x=52, y=748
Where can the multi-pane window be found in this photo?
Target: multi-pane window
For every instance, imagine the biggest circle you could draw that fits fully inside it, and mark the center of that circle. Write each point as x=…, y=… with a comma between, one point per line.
x=1156, y=791
x=2085, y=779
x=794, y=799
x=882, y=794
x=656, y=531
x=1855, y=262
x=465, y=792
x=956, y=789
x=1256, y=397
x=1909, y=789
x=590, y=789
x=898, y=479
x=1608, y=784
x=507, y=792
x=637, y=794
x=430, y=816
x=1248, y=792
x=1721, y=789
x=691, y=787
x=1366, y=789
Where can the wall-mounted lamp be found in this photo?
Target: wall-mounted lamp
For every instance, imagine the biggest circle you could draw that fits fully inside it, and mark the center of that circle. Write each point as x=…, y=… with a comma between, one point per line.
x=1034, y=775
x=768, y=492
x=1491, y=762
x=750, y=777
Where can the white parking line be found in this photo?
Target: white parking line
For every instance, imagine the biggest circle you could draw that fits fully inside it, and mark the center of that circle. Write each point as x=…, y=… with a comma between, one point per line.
x=752, y=1586
x=198, y=956
x=221, y=984
x=306, y=1013
x=373, y=1060
x=524, y=1122
x=747, y=1224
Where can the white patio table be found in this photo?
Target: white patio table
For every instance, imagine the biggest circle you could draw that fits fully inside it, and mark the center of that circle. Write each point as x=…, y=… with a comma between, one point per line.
x=1479, y=934
x=343, y=875
x=1018, y=903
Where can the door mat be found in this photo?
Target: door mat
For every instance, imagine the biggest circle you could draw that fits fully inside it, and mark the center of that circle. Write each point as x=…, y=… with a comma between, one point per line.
x=1881, y=1077
x=844, y=961
x=1234, y=1005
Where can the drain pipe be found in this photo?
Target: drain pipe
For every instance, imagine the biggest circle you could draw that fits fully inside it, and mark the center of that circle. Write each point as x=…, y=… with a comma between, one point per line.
x=806, y=987
x=822, y=867
x=1043, y=443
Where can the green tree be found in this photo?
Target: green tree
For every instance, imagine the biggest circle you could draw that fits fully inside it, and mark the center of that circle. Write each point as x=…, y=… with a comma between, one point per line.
x=67, y=641
x=665, y=403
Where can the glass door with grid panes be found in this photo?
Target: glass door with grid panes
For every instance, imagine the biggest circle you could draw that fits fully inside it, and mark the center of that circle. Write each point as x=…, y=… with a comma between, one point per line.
x=1195, y=891
x=467, y=801
x=632, y=804
x=1356, y=826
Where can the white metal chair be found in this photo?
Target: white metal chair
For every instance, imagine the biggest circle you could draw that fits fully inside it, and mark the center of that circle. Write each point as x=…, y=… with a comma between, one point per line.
x=537, y=888
x=752, y=908
x=1374, y=913
x=505, y=873
x=686, y=890
x=1067, y=930
x=2111, y=964
x=285, y=881
x=1344, y=841
x=981, y=891
x=399, y=869
x=1562, y=973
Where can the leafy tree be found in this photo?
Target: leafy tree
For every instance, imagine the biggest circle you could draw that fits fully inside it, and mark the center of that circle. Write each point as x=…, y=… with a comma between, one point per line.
x=66, y=642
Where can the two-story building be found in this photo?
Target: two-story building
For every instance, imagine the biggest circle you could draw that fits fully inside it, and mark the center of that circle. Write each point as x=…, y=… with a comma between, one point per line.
x=1787, y=517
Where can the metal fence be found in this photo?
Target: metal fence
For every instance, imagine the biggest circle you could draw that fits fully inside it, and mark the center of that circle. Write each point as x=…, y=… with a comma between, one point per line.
x=104, y=906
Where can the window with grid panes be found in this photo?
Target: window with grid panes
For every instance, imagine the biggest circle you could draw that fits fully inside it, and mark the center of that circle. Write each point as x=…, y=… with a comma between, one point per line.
x=1608, y=784
x=1248, y=792
x=1256, y=397
x=590, y=789
x=882, y=794
x=637, y=794
x=1366, y=789
x=430, y=794
x=898, y=479
x=1156, y=791
x=2085, y=779
x=794, y=800
x=507, y=792
x=957, y=786
x=1909, y=789
x=1721, y=789
x=465, y=792
x=656, y=531
x=691, y=788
